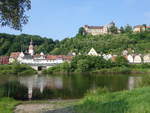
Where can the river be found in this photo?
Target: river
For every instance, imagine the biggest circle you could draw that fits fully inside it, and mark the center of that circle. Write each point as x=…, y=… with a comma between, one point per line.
x=74, y=86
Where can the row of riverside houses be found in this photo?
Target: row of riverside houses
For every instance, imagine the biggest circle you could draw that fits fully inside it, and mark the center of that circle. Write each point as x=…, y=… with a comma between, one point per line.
x=38, y=61
x=132, y=58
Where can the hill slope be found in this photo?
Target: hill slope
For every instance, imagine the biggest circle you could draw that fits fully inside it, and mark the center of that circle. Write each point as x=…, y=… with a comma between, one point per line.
x=105, y=43
x=116, y=43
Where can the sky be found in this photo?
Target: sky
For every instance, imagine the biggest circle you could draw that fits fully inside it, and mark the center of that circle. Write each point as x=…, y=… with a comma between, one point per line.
x=59, y=19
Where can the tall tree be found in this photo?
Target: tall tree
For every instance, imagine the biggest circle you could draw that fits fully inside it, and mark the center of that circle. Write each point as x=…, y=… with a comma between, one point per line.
x=122, y=30
x=113, y=29
x=12, y=13
x=81, y=31
x=145, y=26
x=128, y=29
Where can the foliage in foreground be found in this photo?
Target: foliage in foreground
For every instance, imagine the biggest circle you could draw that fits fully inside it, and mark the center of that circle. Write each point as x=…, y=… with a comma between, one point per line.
x=84, y=63
x=135, y=101
x=17, y=69
x=13, y=13
x=7, y=105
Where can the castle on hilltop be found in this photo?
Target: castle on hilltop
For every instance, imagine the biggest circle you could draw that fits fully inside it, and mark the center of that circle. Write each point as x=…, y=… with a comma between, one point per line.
x=101, y=30
x=98, y=30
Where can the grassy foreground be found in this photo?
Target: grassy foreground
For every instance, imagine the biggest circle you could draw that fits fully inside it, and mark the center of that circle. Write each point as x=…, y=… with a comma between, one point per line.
x=135, y=101
x=7, y=105
x=99, y=101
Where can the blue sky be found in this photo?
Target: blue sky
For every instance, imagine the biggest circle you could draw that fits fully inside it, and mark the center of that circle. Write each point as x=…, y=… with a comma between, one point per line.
x=59, y=19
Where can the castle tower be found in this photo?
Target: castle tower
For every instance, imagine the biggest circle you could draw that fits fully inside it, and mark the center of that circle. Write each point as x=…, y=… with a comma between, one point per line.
x=31, y=48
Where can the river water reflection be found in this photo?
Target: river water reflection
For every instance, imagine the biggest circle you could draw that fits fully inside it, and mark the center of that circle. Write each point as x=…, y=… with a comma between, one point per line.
x=62, y=86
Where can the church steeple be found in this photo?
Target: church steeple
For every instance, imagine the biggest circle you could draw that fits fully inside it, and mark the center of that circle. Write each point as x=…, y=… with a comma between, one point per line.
x=31, y=42
x=31, y=48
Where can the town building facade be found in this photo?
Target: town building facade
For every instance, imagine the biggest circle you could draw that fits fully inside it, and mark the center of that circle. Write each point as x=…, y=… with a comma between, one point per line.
x=141, y=28
x=38, y=61
x=132, y=58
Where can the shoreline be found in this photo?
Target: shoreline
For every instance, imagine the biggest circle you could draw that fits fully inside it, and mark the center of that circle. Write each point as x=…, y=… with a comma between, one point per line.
x=44, y=106
x=107, y=71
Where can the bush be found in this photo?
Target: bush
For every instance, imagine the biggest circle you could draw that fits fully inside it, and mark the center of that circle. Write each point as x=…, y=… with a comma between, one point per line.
x=144, y=65
x=97, y=91
x=61, y=68
x=121, y=61
x=16, y=69
x=85, y=63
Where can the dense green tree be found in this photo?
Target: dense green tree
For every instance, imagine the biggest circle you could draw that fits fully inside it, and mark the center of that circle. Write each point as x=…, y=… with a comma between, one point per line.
x=85, y=63
x=82, y=65
x=17, y=43
x=81, y=31
x=12, y=13
x=113, y=29
x=122, y=30
x=128, y=29
x=121, y=61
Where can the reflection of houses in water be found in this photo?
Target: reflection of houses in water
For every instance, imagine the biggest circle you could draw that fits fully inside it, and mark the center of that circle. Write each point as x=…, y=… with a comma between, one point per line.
x=41, y=83
x=133, y=82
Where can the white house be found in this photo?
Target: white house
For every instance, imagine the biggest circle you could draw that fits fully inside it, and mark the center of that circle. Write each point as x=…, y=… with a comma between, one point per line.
x=107, y=57
x=146, y=58
x=13, y=56
x=137, y=59
x=130, y=58
x=93, y=52
x=125, y=53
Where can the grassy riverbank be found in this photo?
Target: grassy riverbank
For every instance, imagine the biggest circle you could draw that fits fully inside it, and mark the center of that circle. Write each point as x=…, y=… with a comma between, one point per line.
x=16, y=69
x=123, y=70
x=132, y=69
x=7, y=105
x=135, y=101
x=98, y=101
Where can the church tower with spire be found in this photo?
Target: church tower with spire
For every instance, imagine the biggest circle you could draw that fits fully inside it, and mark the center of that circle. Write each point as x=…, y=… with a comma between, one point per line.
x=31, y=48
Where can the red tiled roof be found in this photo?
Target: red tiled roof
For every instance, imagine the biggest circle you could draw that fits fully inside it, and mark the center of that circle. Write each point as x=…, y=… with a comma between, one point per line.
x=51, y=57
x=15, y=55
x=69, y=58
x=4, y=60
x=147, y=26
x=138, y=26
x=94, y=27
x=54, y=57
